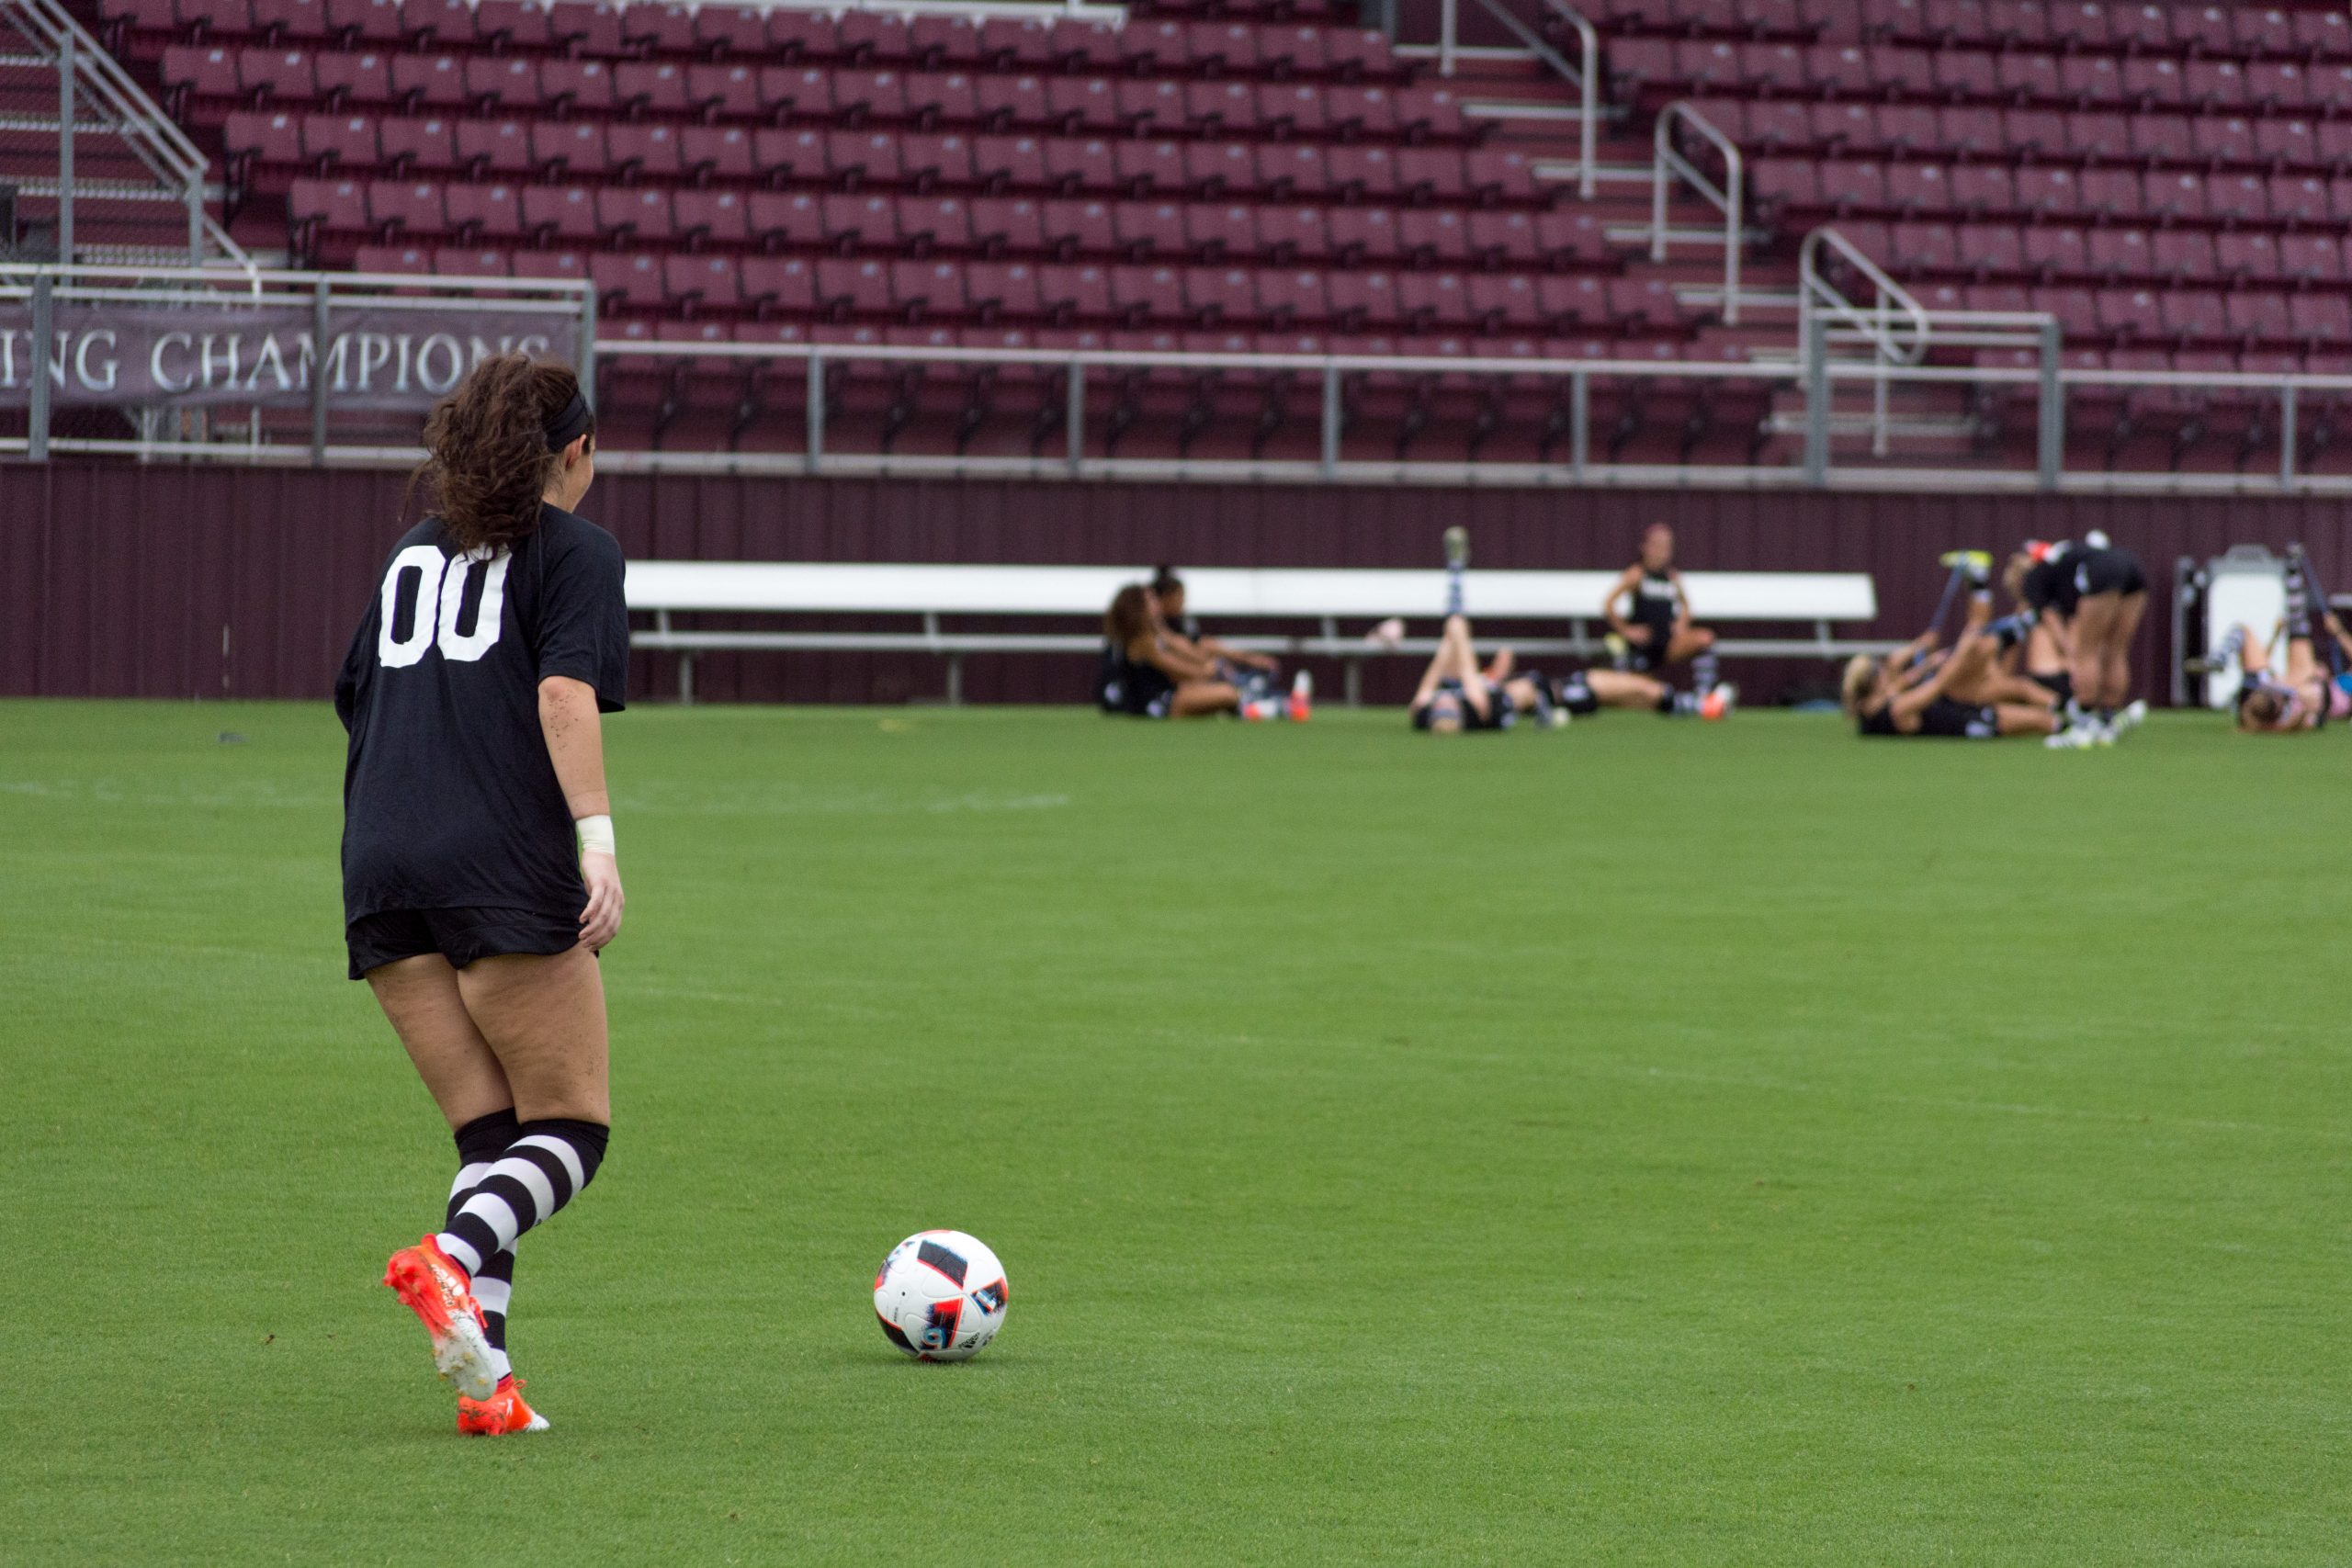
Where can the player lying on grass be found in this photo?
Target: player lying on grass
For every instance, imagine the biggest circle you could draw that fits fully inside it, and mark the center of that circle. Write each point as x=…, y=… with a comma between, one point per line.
x=2091, y=596
x=1961, y=693
x=1653, y=630
x=478, y=879
x=1457, y=693
x=1148, y=672
x=2306, y=696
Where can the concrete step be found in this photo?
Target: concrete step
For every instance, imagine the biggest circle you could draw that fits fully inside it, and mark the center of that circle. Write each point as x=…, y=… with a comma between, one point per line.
x=1565, y=171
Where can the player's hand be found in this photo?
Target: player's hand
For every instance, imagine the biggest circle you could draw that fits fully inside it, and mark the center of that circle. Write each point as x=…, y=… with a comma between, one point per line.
x=1639, y=635
x=601, y=920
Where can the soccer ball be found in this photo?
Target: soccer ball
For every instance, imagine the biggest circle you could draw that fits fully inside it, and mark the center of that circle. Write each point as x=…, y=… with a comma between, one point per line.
x=941, y=1296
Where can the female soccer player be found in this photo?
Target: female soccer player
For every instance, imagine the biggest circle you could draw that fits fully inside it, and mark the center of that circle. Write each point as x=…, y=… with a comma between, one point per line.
x=1964, y=694
x=2308, y=696
x=1654, y=626
x=479, y=878
x=1255, y=676
x=2092, y=595
x=1148, y=673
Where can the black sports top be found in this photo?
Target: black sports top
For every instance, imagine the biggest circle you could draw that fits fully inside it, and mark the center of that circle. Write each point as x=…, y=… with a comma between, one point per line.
x=1656, y=602
x=2050, y=581
x=1879, y=720
x=450, y=797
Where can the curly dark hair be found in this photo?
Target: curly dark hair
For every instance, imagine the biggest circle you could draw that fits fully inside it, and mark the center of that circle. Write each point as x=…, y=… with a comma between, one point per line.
x=487, y=462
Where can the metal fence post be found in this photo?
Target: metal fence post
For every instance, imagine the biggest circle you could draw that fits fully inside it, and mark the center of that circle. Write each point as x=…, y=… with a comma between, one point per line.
x=1579, y=422
x=2052, y=447
x=1331, y=418
x=2288, y=440
x=586, y=369
x=1074, y=416
x=1448, y=25
x=65, y=150
x=36, y=437
x=1816, y=401
x=816, y=410
x=319, y=340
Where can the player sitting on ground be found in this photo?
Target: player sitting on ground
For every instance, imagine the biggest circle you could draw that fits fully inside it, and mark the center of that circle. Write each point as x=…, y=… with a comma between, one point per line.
x=1653, y=630
x=2307, y=697
x=1255, y=675
x=1147, y=672
x=1961, y=694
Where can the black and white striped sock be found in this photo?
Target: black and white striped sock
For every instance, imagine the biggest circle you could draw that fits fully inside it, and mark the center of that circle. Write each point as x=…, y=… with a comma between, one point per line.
x=480, y=1143
x=536, y=1174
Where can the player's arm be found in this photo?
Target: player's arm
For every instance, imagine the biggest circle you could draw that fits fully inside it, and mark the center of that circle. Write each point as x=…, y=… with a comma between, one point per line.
x=1174, y=659
x=1242, y=656
x=1627, y=582
x=575, y=739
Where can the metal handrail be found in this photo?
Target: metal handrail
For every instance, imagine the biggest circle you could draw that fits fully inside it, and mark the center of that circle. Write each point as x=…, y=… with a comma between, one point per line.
x=1874, y=324
x=1726, y=199
x=1587, y=80
x=158, y=144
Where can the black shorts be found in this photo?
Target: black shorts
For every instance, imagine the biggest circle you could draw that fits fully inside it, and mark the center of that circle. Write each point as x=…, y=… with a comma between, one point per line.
x=1501, y=713
x=458, y=935
x=2058, y=683
x=1646, y=657
x=2109, y=572
x=1949, y=720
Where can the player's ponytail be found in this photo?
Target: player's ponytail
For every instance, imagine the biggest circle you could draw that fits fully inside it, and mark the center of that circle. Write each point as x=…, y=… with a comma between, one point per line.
x=492, y=445
x=1861, y=672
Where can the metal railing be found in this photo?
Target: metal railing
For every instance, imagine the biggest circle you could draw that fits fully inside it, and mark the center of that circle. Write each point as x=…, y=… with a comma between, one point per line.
x=1894, y=325
x=1109, y=15
x=90, y=79
x=1726, y=198
x=1584, y=78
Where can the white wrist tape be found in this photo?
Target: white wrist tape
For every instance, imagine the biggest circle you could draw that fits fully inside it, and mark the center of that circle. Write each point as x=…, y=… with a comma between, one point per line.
x=596, y=835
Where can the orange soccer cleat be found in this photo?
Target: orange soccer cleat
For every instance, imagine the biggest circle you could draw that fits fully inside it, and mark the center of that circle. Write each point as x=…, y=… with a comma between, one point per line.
x=438, y=1292
x=1718, y=703
x=502, y=1415
x=1302, y=697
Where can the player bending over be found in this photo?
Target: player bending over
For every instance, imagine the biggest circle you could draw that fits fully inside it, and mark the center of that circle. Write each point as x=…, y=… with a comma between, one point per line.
x=1653, y=629
x=479, y=881
x=1148, y=672
x=2091, y=595
x=2308, y=695
x=1959, y=694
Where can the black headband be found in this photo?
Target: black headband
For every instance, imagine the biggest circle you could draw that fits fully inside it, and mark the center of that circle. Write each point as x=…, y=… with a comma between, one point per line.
x=572, y=423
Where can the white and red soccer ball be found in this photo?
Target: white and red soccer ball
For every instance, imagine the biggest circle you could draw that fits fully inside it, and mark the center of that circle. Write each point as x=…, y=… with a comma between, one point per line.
x=941, y=1296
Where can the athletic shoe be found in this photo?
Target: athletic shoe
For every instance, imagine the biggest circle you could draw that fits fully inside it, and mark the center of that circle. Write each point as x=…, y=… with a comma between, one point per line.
x=1978, y=562
x=502, y=1415
x=1719, y=703
x=1457, y=546
x=1302, y=697
x=1620, y=651
x=2075, y=737
x=2130, y=719
x=1387, y=634
x=438, y=1292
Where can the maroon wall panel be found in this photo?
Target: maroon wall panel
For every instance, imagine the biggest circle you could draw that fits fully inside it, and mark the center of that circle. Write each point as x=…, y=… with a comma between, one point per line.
x=165, y=581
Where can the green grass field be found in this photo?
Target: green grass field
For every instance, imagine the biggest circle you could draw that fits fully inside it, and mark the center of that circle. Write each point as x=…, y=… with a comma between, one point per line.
x=1653, y=1143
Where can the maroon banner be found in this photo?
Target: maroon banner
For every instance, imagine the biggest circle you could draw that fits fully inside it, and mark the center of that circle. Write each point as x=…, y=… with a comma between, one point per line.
x=122, y=353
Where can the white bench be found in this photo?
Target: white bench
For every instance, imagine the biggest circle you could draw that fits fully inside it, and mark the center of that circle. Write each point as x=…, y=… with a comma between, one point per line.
x=1326, y=597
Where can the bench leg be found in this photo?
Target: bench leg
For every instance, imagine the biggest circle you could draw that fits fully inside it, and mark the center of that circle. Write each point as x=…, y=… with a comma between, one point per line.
x=1352, y=682
x=956, y=680
x=686, y=680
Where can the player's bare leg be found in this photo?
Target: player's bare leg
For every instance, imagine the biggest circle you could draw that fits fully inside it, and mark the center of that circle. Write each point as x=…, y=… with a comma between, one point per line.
x=544, y=1017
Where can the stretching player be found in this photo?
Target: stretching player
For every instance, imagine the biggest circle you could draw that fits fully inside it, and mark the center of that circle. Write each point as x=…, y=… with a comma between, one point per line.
x=479, y=880
x=1258, y=676
x=2308, y=696
x=1583, y=691
x=2091, y=595
x=1148, y=672
x=1653, y=630
x=1457, y=695
x=1961, y=693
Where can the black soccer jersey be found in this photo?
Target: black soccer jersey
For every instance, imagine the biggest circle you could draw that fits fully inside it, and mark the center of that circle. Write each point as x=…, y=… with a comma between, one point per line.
x=449, y=796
